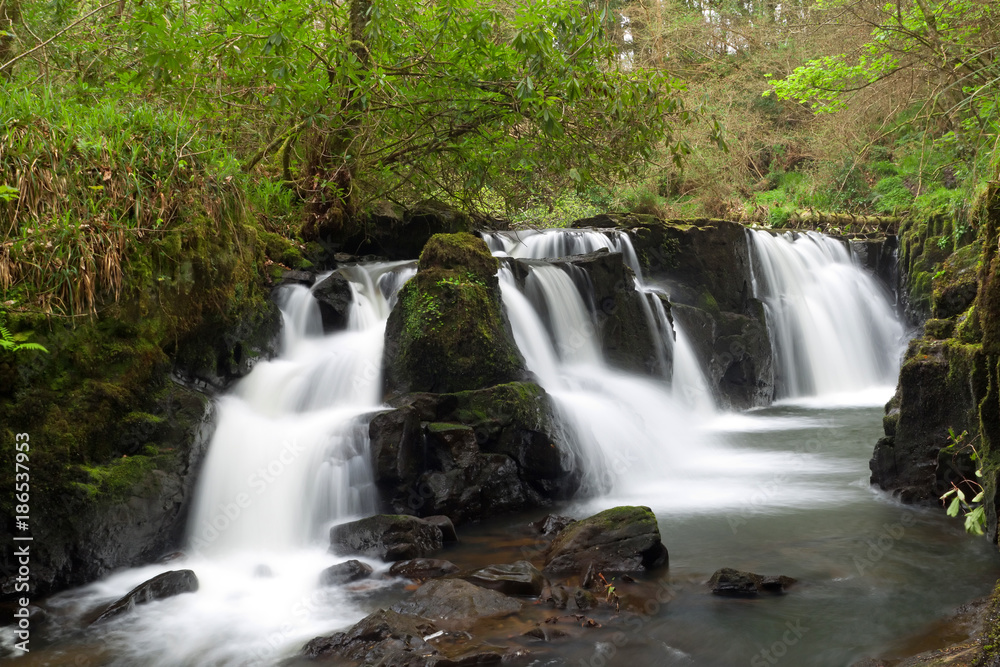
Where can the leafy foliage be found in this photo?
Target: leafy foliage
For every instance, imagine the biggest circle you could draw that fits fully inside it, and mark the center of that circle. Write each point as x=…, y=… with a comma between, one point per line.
x=8, y=343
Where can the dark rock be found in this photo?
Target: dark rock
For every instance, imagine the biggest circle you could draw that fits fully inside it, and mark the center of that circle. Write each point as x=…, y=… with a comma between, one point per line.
x=520, y=578
x=940, y=388
x=448, y=331
x=448, y=533
x=776, y=584
x=384, y=637
x=345, y=573
x=551, y=524
x=584, y=599
x=736, y=583
x=735, y=351
x=295, y=277
x=470, y=455
x=546, y=632
x=621, y=539
x=559, y=597
x=397, y=448
x=423, y=568
x=334, y=296
x=456, y=599
x=159, y=587
x=387, y=537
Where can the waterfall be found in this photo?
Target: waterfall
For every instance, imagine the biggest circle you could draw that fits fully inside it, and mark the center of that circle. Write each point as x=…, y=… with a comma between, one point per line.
x=289, y=455
x=690, y=386
x=616, y=426
x=833, y=328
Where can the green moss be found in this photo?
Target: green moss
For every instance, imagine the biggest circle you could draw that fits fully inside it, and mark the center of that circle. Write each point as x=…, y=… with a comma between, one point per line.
x=462, y=251
x=521, y=402
x=114, y=481
x=448, y=331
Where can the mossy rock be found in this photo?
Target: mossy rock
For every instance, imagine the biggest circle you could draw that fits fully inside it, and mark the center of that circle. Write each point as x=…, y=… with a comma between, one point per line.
x=621, y=539
x=449, y=331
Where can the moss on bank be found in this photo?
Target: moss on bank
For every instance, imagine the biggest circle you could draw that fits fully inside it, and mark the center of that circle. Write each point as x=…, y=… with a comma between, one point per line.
x=135, y=265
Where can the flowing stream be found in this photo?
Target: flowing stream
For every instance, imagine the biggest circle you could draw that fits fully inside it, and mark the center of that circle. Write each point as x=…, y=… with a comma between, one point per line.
x=783, y=490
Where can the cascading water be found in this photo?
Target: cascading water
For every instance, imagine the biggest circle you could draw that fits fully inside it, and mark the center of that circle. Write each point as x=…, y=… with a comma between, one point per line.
x=288, y=458
x=630, y=437
x=690, y=386
x=833, y=327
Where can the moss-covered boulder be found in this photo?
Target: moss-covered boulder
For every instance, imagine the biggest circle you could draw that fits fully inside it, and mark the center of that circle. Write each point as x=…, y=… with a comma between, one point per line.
x=621, y=539
x=448, y=331
x=940, y=386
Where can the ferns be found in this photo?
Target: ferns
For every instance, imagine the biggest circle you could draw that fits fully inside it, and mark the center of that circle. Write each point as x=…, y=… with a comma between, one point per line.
x=9, y=344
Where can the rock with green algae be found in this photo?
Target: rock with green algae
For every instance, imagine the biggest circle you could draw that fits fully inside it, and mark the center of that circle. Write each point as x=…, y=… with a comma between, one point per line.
x=940, y=385
x=448, y=331
x=621, y=539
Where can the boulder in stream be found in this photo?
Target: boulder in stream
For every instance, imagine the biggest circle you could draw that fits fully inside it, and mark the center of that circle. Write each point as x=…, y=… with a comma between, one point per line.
x=159, y=587
x=621, y=539
x=334, y=296
x=423, y=568
x=736, y=583
x=458, y=600
x=387, y=537
x=520, y=578
x=345, y=573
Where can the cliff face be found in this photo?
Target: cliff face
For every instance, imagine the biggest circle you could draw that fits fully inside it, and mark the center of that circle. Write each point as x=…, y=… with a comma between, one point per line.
x=944, y=421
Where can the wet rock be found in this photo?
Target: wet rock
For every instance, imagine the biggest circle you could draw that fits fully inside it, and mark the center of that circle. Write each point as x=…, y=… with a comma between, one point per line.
x=456, y=599
x=584, y=599
x=335, y=296
x=296, y=277
x=423, y=568
x=520, y=578
x=940, y=388
x=387, y=537
x=736, y=583
x=545, y=632
x=448, y=533
x=470, y=455
x=621, y=539
x=448, y=331
x=551, y=524
x=384, y=637
x=344, y=573
x=159, y=587
x=623, y=327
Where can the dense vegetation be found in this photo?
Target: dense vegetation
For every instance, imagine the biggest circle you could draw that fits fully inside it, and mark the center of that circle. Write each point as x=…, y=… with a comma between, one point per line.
x=160, y=160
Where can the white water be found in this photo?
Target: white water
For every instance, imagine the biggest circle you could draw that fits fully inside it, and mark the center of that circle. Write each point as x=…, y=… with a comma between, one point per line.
x=689, y=384
x=633, y=438
x=288, y=458
x=833, y=328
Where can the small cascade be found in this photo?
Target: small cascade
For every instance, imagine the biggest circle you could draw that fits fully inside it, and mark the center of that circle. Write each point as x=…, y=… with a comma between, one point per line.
x=554, y=243
x=571, y=323
x=833, y=328
x=690, y=384
x=616, y=426
x=291, y=441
